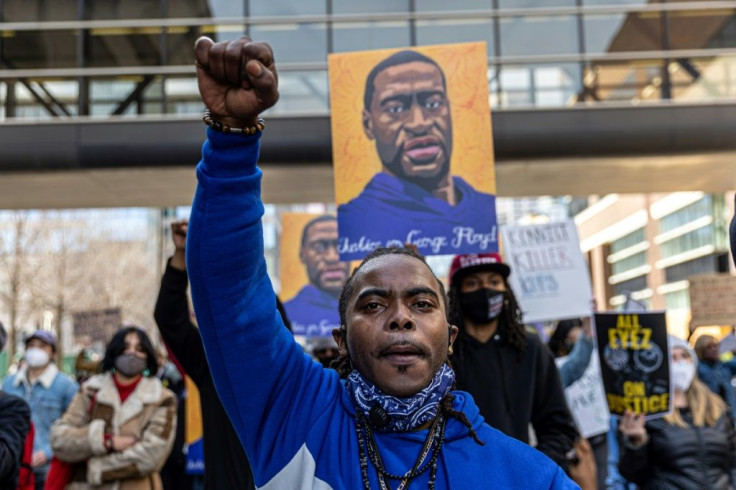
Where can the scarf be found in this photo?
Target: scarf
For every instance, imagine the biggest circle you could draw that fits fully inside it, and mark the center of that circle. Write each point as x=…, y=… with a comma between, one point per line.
x=403, y=414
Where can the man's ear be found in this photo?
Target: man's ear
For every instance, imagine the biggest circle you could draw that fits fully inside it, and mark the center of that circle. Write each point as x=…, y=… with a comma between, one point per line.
x=341, y=339
x=453, y=333
x=368, y=125
x=301, y=255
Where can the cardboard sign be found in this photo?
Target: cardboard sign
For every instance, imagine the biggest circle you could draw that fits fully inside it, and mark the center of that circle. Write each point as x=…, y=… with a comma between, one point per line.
x=549, y=275
x=635, y=362
x=712, y=300
x=97, y=325
x=587, y=401
x=413, y=150
x=312, y=275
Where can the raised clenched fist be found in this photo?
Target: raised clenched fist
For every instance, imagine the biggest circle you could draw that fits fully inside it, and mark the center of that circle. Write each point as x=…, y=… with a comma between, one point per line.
x=237, y=79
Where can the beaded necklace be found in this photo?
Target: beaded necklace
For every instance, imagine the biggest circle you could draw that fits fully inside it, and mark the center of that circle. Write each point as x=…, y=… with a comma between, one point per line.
x=369, y=450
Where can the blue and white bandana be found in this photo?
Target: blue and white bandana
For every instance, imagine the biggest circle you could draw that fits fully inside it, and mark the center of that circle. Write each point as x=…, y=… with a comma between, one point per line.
x=405, y=414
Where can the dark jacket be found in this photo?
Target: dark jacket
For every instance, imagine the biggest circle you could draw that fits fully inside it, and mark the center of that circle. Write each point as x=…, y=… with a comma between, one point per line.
x=226, y=465
x=692, y=458
x=717, y=376
x=15, y=421
x=513, y=391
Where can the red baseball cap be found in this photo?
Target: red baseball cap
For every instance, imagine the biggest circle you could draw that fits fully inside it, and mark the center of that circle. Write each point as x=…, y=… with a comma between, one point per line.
x=478, y=262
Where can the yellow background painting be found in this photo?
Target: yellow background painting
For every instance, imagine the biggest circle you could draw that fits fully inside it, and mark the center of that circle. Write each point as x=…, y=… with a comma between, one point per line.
x=293, y=274
x=466, y=72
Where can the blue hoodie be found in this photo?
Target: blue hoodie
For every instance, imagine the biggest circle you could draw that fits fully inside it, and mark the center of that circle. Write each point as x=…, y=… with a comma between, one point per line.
x=313, y=312
x=393, y=211
x=294, y=418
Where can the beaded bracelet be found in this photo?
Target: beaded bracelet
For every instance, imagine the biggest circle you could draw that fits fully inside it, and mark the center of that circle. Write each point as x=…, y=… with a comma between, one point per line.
x=224, y=128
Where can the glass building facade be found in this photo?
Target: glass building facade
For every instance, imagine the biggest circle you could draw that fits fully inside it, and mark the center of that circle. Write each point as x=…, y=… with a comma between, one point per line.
x=98, y=58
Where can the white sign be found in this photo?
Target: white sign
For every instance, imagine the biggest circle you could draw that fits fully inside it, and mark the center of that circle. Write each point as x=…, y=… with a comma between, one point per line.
x=587, y=401
x=548, y=273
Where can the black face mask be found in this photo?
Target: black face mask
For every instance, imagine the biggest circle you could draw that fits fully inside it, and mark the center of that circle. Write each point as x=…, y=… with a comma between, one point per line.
x=482, y=306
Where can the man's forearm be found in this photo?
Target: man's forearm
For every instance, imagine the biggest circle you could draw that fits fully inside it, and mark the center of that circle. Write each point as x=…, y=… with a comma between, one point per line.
x=179, y=260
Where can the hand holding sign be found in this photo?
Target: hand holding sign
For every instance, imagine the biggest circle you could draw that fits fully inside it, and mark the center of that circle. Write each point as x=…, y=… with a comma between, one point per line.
x=237, y=80
x=632, y=427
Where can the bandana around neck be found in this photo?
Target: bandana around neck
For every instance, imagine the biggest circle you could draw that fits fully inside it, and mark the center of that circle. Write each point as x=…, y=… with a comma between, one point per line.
x=404, y=414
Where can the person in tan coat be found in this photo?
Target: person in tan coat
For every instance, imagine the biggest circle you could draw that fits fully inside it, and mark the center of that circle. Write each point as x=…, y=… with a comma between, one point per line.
x=119, y=429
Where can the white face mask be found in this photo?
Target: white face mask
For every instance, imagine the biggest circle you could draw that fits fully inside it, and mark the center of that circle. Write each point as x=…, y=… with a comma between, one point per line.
x=683, y=373
x=36, y=357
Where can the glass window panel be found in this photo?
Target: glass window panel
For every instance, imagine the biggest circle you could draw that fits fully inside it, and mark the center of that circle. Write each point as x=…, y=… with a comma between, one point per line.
x=680, y=272
x=354, y=36
x=522, y=4
x=302, y=92
x=626, y=241
x=629, y=263
x=39, y=49
x=677, y=300
x=115, y=9
x=105, y=95
x=702, y=29
x=124, y=47
x=38, y=10
x=210, y=8
x=442, y=5
x=357, y=7
x=182, y=95
x=616, y=33
x=704, y=78
x=618, y=2
x=689, y=213
x=539, y=85
x=287, y=7
x=455, y=31
x=538, y=35
x=294, y=42
x=689, y=241
x=632, y=285
x=624, y=81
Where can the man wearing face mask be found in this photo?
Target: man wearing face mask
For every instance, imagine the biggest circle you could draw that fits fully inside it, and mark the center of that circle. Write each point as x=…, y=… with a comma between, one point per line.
x=509, y=371
x=47, y=391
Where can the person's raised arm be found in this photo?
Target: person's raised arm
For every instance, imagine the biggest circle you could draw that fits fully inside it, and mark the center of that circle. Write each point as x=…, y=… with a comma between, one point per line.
x=172, y=310
x=270, y=389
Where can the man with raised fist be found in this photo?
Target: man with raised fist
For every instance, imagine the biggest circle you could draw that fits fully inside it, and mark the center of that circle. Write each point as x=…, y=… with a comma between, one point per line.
x=388, y=417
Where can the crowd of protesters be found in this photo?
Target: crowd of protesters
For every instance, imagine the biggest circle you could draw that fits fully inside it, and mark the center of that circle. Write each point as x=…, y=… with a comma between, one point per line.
x=340, y=412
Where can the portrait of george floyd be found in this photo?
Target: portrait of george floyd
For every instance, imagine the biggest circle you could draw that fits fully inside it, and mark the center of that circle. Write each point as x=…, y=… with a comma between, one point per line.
x=413, y=150
x=312, y=274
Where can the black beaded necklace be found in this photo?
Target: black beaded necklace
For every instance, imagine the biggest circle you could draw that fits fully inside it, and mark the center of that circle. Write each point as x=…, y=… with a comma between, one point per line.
x=369, y=450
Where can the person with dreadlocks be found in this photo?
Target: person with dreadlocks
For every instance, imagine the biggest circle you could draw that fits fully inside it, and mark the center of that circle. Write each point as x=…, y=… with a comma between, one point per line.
x=389, y=419
x=510, y=373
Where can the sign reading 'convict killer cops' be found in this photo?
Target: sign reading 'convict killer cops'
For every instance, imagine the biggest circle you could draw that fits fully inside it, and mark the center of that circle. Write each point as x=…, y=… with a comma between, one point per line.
x=549, y=275
x=634, y=359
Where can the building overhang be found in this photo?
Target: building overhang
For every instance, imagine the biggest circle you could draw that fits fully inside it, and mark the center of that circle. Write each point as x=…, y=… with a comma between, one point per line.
x=149, y=161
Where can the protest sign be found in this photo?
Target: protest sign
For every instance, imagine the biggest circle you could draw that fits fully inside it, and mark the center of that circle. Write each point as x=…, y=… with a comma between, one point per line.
x=548, y=273
x=312, y=275
x=193, y=430
x=712, y=300
x=635, y=362
x=587, y=401
x=97, y=325
x=413, y=152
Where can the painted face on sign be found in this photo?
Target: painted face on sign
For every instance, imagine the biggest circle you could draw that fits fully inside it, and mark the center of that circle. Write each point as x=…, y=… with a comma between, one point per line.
x=409, y=119
x=319, y=255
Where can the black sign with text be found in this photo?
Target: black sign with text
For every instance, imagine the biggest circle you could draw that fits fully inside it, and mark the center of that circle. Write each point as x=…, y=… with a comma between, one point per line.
x=635, y=364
